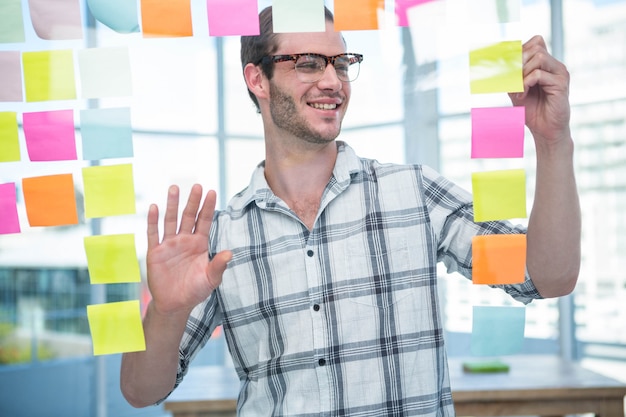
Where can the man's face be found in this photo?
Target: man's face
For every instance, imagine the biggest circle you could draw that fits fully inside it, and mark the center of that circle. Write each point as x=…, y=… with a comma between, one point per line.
x=309, y=111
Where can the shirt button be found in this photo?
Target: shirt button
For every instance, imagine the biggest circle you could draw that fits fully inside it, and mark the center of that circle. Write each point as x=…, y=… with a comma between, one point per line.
x=309, y=253
x=316, y=307
x=322, y=362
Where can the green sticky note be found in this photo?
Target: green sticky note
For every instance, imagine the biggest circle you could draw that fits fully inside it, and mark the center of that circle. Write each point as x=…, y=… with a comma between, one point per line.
x=49, y=75
x=112, y=259
x=497, y=68
x=499, y=195
x=485, y=367
x=104, y=72
x=116, y=327
x=300, y=16
x=9, y=137
x=11, y=21
x=109, y=190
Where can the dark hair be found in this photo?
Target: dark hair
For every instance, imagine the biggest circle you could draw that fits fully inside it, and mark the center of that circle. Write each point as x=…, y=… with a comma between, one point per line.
x=254, y=48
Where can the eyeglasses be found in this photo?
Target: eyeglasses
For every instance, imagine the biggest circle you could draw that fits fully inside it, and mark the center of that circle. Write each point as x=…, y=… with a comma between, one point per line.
x=310, y=67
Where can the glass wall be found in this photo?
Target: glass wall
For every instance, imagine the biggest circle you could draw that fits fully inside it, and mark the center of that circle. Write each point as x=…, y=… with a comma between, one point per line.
x=184, y=132
x=595, y=49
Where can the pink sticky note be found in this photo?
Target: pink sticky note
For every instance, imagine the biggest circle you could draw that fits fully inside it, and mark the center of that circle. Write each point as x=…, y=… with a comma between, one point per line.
x=402, y=6
x=9, y=222
x=11, y=80
x=56, y=20
x=233, y=17
x=50, y=135
x=498, y=132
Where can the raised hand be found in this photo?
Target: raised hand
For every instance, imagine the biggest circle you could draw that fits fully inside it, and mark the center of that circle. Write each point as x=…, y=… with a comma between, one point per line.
x=546, y=94
x=180, y=275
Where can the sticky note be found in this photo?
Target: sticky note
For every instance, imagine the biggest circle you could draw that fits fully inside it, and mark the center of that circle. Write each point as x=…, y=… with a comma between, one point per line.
x=499, y=195
x=166, y=18
x=11, y=80
x=301, y=16
x=498, y=132
x=56, y=20
x=496, y=68
x=11, y=21
x=106, y=133
x=105, y=72
x=112, y=259
x=119, y=15
x=116, y=327
x=50, y=135
x=497, y=330
x=402, y=7
x=50, y=200
x=49, y=75
x=495, y=11
x=498, y=259
x=233, y=17
x=358, y=14
x=9, y=220
x=109, y=190
x=9, y=137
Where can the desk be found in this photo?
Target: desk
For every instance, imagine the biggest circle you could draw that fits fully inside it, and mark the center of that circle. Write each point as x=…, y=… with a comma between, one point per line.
x=535, y=385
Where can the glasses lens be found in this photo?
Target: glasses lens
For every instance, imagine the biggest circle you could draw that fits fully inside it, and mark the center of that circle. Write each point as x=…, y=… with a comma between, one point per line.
x=347, y=67
x=310, y=68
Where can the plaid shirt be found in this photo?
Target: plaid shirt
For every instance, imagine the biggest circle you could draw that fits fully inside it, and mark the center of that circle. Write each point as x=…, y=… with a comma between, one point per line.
x=342, y=319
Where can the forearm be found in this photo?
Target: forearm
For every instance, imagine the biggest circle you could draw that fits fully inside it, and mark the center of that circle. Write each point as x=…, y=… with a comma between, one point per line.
x=148, y=376
x=553, y=252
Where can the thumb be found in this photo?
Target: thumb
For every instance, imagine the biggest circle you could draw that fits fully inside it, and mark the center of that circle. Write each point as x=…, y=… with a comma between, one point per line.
x=217, y=266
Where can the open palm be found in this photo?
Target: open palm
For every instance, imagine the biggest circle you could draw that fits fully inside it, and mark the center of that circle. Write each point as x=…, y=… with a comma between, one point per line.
x=180, y=275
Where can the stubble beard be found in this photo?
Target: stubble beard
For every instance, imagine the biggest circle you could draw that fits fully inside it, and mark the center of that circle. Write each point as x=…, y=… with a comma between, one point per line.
x=285, y=116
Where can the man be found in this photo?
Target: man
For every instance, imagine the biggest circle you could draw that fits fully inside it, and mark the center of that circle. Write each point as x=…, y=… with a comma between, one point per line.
x=323, y=271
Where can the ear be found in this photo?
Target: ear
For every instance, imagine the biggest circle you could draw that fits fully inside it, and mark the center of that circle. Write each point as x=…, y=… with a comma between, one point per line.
x=256, y=80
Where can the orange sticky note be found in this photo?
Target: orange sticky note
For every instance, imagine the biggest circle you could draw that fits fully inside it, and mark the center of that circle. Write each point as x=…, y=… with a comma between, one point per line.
x=166, y=18
x=358, y=14
x=50, y=200
x=499, y=259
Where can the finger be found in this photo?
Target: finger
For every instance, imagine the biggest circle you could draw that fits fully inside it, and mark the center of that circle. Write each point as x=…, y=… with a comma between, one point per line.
x=217, y=266
x=170, y=220
x=188, y=219
x=153, y=226
x=205, y=217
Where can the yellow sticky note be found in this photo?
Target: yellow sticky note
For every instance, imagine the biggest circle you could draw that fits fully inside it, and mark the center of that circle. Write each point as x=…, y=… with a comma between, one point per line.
x=499, y=195
x=109, y=190
x=497, y=68
x=9, y=137
x=116, y=327
x=498, y=259
x=49, y=75
x=112, y=259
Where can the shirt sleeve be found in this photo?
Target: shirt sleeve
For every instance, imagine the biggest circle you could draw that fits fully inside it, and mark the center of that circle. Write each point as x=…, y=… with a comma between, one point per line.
x=452, y=217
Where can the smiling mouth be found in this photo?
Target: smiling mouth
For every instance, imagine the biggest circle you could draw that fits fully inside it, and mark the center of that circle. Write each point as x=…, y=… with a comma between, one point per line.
x=323, y=106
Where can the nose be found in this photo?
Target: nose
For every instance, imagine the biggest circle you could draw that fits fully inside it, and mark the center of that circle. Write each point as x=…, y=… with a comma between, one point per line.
x=329, y=80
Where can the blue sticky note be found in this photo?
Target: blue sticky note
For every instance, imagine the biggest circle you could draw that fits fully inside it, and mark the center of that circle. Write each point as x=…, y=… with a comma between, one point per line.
x=106, y=133
x=497, y=330
x=119, y=15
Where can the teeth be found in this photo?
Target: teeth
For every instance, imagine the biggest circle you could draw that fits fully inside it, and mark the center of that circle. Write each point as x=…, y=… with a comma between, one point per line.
x=324, y=106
